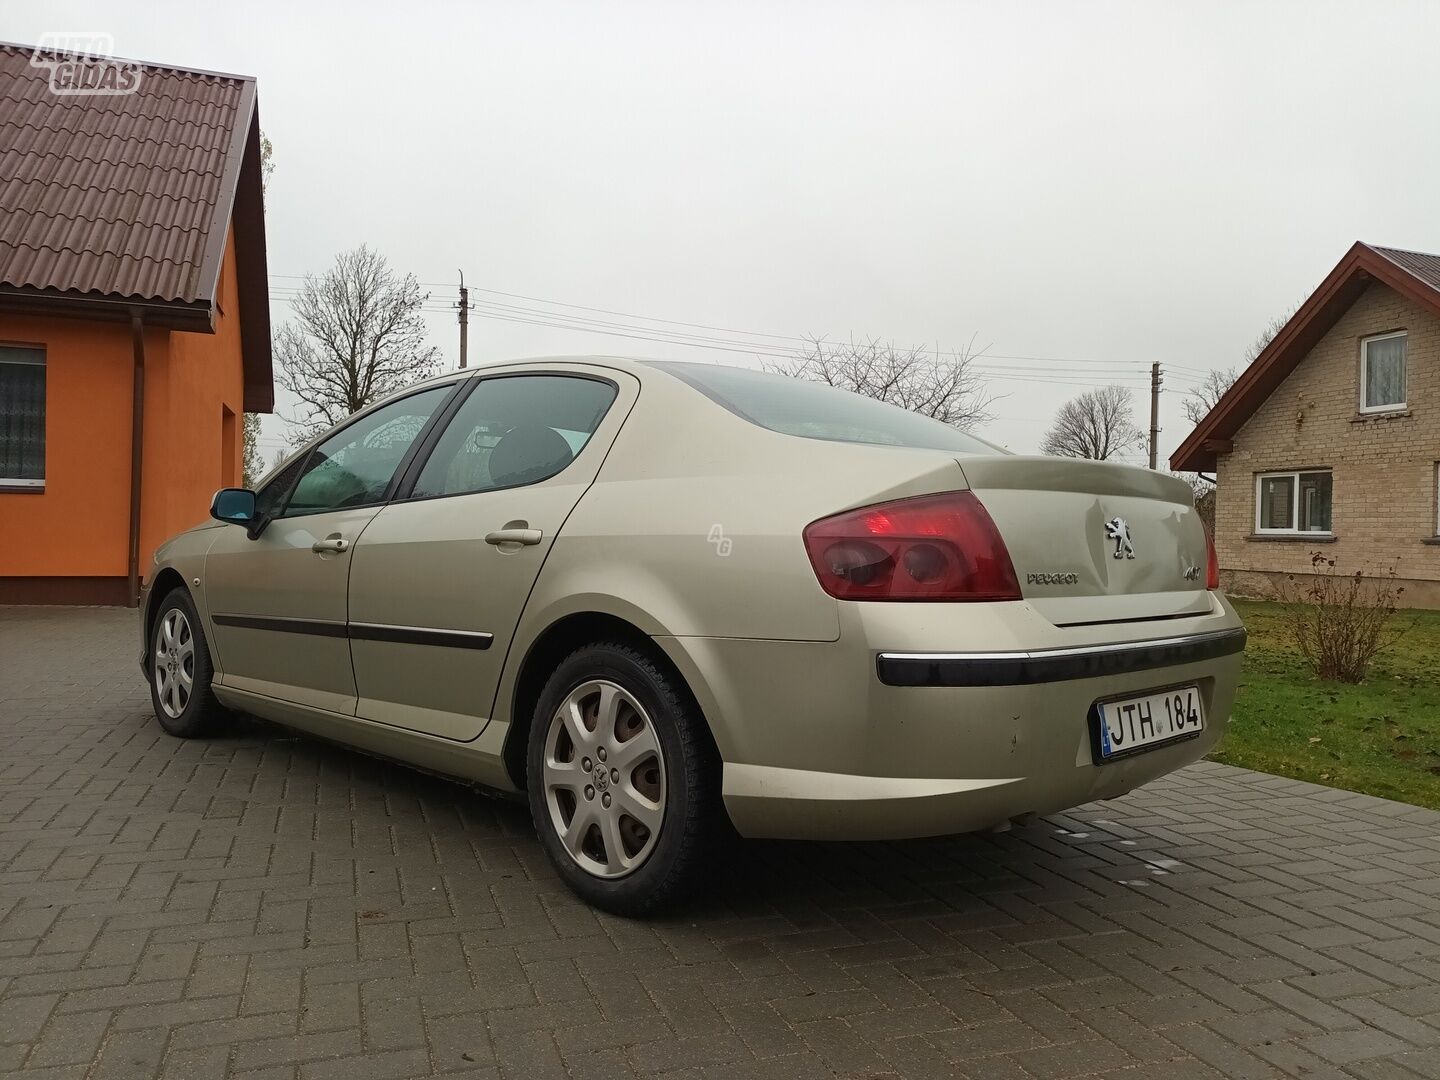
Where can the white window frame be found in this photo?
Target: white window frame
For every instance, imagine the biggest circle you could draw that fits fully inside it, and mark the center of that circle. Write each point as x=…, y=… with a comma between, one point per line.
x=1364, y=369
x=1294, y=530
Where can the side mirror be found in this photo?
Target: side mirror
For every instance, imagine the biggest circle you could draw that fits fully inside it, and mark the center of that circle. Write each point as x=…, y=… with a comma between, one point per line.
x=234, y=506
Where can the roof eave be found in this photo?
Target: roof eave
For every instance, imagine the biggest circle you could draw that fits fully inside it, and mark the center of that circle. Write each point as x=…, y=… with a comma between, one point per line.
x=196, y=316
x=252, y=274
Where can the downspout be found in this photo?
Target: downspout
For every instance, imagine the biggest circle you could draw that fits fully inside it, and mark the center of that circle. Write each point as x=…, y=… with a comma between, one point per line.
x=137, y=453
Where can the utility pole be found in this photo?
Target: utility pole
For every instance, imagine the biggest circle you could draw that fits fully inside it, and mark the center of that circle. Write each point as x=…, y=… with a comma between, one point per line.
x=1155, y=383
x=465, y=321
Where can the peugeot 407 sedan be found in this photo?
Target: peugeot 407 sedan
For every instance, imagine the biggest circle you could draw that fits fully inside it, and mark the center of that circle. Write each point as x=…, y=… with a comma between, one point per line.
x=664, y=599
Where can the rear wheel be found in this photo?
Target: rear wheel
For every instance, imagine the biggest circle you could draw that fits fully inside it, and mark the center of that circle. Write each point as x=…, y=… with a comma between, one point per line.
x=180, y=670
x=622, y=779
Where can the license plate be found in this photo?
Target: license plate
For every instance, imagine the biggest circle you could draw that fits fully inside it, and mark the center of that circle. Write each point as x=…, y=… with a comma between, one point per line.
x=1150, y=720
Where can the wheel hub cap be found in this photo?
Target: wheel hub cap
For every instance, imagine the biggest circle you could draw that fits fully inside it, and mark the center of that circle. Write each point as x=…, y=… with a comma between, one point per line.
x=174, y=662
x=604, y=776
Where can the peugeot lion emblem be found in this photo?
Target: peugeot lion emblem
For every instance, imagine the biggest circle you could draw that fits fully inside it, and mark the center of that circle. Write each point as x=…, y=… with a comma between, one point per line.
x=1118, y=529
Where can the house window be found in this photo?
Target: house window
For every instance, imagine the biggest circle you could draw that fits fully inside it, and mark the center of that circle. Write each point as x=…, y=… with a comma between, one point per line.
x=1293, y=502
x=1382, y=372
x=22, y=417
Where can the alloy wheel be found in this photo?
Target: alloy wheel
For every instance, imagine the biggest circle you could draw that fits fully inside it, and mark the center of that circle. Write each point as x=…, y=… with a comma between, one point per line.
x=174, y=662
x=604, y=777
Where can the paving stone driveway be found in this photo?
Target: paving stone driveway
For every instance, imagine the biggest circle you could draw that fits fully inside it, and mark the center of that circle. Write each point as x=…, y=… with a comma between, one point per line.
x=266, y=906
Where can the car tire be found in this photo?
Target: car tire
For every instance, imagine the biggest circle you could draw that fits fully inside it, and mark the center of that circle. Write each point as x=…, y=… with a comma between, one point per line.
x=647, y=706
x=180, y=670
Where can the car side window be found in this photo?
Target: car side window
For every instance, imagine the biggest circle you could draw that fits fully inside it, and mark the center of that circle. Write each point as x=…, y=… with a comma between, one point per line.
x=514, y=430
x=354, y=466
x=270, y=498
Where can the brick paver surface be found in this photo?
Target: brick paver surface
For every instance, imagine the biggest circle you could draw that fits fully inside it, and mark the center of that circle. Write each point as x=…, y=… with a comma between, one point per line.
x=266, y=906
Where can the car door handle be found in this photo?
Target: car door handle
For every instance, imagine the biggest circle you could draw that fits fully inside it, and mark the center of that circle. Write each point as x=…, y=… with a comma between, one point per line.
x=513, y=536
x=330, y=543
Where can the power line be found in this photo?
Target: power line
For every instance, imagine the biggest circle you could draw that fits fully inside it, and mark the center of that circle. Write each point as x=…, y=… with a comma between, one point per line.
x=1113, y=371
x=692, y=325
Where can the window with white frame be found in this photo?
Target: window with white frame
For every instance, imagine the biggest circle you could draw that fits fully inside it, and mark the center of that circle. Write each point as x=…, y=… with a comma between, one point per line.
x=1293, y=502
x=1382, y=372
x=22, y=417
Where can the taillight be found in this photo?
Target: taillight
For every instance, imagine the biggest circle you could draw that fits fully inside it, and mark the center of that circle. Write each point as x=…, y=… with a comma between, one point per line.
x=1212, y=568
x=935, y=547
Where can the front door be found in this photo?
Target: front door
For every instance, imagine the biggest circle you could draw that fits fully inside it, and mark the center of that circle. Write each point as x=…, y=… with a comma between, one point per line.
x=278, y=602
x=440, y=577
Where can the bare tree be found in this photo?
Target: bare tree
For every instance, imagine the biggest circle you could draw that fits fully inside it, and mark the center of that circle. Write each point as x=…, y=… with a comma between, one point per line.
x=357, y=335
x=252, y=465
x=1204, y=394
x=1097, y=424
x=945, y=386
x=1262, y=339
x=1212, y=387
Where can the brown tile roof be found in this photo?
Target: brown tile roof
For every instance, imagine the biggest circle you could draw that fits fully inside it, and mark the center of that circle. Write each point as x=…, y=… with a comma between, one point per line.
x=1413, y=274
x=1418, y=263
x=126, y=201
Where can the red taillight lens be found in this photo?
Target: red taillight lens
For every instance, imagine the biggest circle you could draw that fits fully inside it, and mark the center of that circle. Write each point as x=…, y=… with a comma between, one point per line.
x=935, y=547
x=1212, y=569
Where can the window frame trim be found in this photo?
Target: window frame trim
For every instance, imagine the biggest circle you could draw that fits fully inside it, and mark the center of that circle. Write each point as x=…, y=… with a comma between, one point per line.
x=1294, y=530
x=1404, y=403
x=404, y=489
x=26, y=485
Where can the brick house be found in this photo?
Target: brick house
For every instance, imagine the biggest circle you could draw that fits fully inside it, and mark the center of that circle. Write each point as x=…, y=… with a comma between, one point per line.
x=134, y=319
x=1330, y=440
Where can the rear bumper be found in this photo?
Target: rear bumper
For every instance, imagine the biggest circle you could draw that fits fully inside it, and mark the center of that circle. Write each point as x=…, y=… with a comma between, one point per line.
x=799, y=804
x=845, y=741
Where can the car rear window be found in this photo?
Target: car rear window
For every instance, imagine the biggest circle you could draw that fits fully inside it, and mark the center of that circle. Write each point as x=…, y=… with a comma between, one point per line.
x=816, y=411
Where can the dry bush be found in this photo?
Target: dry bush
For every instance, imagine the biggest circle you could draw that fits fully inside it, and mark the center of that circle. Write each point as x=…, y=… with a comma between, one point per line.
x=1341, y=621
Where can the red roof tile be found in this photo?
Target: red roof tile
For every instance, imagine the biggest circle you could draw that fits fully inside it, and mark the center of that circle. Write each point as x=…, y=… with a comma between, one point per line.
x=129, y=198
x=115, y=195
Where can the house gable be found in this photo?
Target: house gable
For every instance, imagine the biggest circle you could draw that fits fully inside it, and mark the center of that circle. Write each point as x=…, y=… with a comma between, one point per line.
x=122, y=206
x=1415, y=276
x=1381, y=468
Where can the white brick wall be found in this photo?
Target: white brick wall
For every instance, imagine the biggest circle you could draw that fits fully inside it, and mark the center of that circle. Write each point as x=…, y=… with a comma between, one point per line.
x=1384, y=467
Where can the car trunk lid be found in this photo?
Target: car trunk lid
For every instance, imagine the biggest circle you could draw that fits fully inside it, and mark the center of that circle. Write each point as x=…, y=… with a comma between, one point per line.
x=1095, y=542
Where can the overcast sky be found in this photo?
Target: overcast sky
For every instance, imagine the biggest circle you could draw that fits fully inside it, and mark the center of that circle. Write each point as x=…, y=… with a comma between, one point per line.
x=1098, y=185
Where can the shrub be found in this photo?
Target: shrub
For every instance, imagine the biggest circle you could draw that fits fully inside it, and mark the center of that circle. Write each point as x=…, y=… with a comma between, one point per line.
x=1340, y=622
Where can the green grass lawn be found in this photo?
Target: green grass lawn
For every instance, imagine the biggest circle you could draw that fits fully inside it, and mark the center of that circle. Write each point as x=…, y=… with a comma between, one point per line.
x=1381, y=737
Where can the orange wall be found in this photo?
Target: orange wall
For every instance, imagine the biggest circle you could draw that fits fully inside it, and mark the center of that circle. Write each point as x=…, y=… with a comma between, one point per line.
x=186, y=393
x=80, y=526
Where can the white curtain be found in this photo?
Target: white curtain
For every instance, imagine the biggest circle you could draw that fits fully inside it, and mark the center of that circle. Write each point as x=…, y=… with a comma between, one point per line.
x=1385, y=372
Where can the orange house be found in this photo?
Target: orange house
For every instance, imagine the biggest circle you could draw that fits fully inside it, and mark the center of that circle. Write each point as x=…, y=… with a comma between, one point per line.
x=134, y=320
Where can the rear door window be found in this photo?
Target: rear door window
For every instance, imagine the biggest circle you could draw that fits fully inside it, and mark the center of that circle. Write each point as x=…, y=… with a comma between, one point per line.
x=514, y=430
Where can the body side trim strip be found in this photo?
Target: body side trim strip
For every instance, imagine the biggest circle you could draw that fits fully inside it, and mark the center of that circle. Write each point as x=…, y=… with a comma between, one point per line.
x=420, y=635
x=402, y=635
x=1053, y=665
x=282, y=624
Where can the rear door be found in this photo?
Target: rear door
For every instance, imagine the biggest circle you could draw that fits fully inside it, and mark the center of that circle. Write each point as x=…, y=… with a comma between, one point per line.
x=440, y=577
x=278, y=602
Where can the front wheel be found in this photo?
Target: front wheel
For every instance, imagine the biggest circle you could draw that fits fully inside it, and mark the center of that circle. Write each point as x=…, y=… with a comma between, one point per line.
x=623, y=780
x=180, y=670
